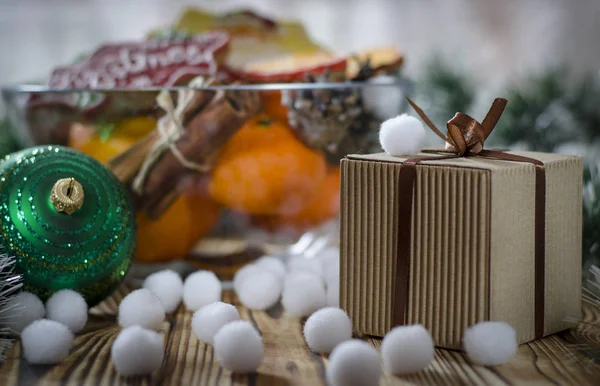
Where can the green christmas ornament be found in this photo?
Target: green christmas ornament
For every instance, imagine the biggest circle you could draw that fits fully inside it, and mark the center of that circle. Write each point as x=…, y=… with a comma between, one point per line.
x=68, y=220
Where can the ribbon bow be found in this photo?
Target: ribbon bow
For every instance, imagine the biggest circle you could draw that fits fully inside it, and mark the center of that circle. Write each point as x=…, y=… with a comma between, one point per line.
x=465, y=135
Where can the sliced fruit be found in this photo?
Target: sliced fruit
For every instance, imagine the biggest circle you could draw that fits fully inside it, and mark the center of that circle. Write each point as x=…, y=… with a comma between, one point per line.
x=264, y=169
x=293, y=68
x=381, y=60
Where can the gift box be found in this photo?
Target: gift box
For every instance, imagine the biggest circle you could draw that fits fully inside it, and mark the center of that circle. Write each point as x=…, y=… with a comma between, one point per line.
x=462, y=239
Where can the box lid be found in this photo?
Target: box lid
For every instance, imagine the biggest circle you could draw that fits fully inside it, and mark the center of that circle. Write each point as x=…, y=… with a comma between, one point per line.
x=467, y=162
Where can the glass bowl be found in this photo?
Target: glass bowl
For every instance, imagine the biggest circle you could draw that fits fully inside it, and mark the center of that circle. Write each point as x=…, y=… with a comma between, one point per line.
x=219, y=174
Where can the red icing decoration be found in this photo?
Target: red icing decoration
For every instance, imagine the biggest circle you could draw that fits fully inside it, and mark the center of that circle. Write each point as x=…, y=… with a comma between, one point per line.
x=149, y=63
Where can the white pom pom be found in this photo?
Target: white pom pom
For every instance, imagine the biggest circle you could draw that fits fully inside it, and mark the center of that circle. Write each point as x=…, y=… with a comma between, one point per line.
x=21, y=310
x=353, y=363
x=238, y=347
x=273, y=265
x=303, y=293
x=168, y=286
x=141, y=307
x=407, y=349
x=210, y=318
x=330, y=256
x=490, y=343
x=69, y=308
x=298, y=263
x=243, y=272
x=326, y=328
x=201, y=288
x=137, y=351
x=402, y=135
x=333, y=294
x=46, y=342
x=259, y=290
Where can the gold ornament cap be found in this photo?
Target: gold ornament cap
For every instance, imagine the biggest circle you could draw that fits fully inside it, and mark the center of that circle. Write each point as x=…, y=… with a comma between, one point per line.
x=67, y=195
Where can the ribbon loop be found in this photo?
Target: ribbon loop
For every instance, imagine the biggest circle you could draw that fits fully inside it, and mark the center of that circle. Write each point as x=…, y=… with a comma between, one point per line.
x=466, y=135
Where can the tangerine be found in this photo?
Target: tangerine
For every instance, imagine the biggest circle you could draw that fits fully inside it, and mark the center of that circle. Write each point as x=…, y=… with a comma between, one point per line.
x=185, y=222
x=324, y=207
x=265, y=169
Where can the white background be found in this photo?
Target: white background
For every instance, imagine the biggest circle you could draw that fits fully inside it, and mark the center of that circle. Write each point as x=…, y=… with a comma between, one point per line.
x=494, y=39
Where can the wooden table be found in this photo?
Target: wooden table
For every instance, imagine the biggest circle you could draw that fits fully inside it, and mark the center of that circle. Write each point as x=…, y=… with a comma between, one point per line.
x=553, y=360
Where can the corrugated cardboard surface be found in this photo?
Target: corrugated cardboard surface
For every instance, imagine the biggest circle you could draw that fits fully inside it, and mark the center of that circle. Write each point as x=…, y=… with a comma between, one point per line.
x=472, y=248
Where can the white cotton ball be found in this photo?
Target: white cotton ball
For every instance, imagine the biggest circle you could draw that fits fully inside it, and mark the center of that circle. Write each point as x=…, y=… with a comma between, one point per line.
x=243, y=272
x=137, y=351
x=490, y=343
x=259, y=290
x=333, y=294
x=330, y=256
x=22, y=309
x=46, y=342
x=353, y=363
x=201, y=288
x=210, y=318
x=303, y=293
x=69, y=308
x=143, y=308
x=273, y=265
x=326, y=328
x=168, y=286
x=407, y=349
x=313, y=265
x=238, y=347
x=402, y=135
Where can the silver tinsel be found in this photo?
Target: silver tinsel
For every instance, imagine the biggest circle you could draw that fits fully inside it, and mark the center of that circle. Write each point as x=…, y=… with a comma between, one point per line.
x=10, y=283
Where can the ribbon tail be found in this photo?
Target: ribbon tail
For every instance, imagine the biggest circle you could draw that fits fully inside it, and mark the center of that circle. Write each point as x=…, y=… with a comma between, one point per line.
x=493, y=116
x=427, y=121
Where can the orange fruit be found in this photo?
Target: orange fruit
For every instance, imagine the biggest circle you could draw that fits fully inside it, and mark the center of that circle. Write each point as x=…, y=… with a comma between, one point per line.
x=175, y=233
x=264, y=169
x=271, y=101
x=324, y=207
x=87, y=140
x=135, y=127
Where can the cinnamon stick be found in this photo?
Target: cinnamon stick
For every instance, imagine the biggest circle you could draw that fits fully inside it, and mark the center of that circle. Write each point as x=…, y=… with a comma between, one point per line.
x=205, y=135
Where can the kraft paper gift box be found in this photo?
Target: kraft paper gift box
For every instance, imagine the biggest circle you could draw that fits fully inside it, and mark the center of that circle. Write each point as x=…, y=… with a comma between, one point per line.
x=472, y=245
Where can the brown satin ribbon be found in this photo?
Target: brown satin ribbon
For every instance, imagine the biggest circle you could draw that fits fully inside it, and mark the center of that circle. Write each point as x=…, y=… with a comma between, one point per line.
x=465, y=138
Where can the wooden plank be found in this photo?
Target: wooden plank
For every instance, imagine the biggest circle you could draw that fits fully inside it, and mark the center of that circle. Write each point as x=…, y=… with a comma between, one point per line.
x=553, y=360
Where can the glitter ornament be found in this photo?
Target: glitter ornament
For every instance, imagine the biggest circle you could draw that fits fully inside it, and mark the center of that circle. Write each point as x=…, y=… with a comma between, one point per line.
x=68, y=220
